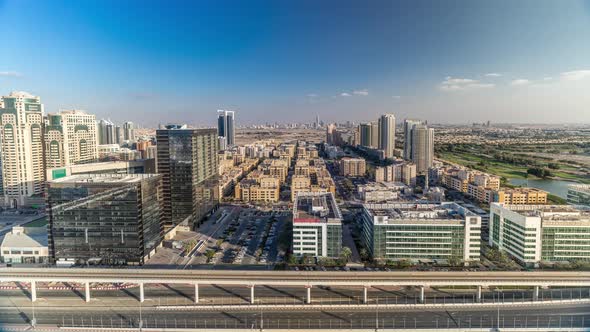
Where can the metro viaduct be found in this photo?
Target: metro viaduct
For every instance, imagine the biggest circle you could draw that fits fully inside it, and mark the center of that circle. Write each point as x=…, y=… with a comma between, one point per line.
x=307, y=279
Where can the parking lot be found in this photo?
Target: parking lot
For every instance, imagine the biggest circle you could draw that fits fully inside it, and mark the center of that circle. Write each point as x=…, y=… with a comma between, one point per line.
x=251, y=237
x=234, y=235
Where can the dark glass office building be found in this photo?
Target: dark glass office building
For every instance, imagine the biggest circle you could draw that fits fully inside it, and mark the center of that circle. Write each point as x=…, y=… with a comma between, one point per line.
x=225, y=126
x=112, y=219
x=187, y=161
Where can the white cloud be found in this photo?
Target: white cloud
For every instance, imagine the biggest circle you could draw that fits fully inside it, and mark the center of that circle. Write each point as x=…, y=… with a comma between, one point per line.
x=493, y=75
x=363, y=92
x=10, y=74
x=312, y=95
x=547, y=78
x=451, y=80
x=457, y=84
x=396, y=97
x=345, y=94
x=575, y=75
x=520, y=82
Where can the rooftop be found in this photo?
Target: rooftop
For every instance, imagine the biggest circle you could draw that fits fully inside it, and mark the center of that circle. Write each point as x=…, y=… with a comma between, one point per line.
x=18, y=238
x=580, y=187
x=317, y=207
x=551, y=212
x=21, y=94
x=419, y=211
x=104, y=178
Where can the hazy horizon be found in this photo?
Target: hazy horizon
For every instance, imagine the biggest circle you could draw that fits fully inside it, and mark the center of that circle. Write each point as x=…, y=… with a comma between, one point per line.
x=444, y=62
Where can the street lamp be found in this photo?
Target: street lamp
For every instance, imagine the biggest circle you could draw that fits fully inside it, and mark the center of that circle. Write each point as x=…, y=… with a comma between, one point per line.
x=140, y=318
x=376, y=314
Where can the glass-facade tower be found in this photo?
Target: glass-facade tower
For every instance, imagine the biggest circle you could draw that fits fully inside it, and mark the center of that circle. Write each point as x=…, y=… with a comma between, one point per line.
x=187, y=161
x=108, y=219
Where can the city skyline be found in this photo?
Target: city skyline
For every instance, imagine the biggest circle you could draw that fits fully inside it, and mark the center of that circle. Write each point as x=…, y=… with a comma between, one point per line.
x=293, y=62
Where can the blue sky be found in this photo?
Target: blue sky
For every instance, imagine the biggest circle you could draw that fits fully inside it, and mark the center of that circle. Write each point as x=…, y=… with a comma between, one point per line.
x=180, y=61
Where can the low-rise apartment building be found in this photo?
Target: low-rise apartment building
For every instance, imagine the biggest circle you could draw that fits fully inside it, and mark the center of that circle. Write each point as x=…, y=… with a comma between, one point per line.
x=258, y=188
x=377, y=192
x=519, y=196
x=404, y=172
x=353, y=166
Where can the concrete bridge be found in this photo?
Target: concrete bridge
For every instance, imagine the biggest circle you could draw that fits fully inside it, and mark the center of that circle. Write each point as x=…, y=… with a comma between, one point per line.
x=306, y=279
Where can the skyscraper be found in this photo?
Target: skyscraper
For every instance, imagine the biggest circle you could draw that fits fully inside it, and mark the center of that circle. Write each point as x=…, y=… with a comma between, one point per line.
x=422, y=147
x=129, y=131
x=21, y=148
x=387, y=134
x=70, y=138
x=225, y=126
x=106, y=132
x=330, y=128
x=187, y=160
x=374, y=135
x=118, y=135
x=365, y=130
x=408, y=125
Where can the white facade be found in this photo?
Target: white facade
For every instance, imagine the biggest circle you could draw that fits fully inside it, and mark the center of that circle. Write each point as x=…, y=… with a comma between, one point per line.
x=25, y=245
x=418, y=231
x=21, y=147
x=378, y=192
x=387, y=134
x=71, y=137
x=408, y=126
x=317, y=226
x=422, y=147
x=534, y=233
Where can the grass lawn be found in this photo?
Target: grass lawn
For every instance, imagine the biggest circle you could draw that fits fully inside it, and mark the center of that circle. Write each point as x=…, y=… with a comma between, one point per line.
x=492, y=166
x=506, y=170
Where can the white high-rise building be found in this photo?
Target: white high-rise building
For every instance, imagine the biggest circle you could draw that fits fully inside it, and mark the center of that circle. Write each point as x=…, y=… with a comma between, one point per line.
x=422, y=147
x=129, y=131
x=387, y=134
x=71, y=137
x=408, y=126
x=106, y=132
x=21, y=138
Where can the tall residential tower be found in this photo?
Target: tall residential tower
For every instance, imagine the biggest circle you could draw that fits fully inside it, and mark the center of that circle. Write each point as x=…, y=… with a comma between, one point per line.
x=21, y=147
x=71, y=138
x=408, y=126
x=386, y=125
x=422, y=147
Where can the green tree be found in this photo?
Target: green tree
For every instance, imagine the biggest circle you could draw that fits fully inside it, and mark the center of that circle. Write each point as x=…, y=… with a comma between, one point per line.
x=403, y=264
x=364, y=254
x=345, y=254
x=209, y=254
x=455, y=261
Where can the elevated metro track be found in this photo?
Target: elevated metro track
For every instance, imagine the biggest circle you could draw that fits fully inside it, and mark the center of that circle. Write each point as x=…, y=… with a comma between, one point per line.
x=303, y=278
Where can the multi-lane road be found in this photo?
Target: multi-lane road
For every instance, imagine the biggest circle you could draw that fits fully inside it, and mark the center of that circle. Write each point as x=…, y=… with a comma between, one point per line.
x=109, y=317
x=116, y=308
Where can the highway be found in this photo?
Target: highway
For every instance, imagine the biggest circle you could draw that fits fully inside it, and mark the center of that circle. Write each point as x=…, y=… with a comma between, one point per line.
x=303, y=278
x=564, y=316
x=116, y=308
